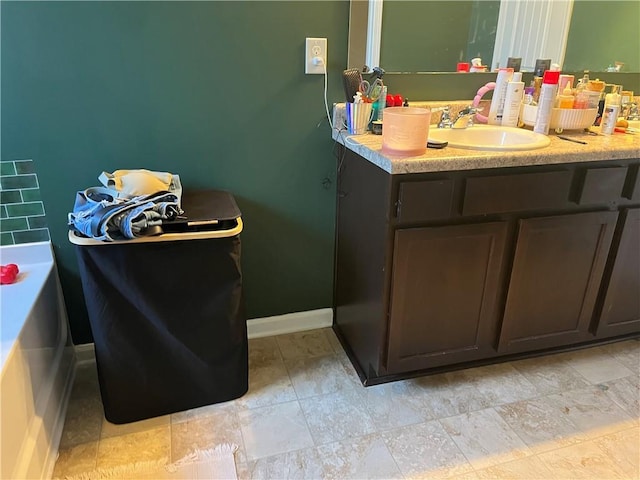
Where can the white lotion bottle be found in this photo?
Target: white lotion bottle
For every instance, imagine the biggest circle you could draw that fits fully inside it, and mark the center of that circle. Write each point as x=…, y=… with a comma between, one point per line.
x=513, y=101
x=497, y=101
x=548, y=93
x=611, y=110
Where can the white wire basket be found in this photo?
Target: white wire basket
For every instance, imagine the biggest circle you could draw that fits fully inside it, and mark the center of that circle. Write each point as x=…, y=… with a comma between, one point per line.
x=562, y=118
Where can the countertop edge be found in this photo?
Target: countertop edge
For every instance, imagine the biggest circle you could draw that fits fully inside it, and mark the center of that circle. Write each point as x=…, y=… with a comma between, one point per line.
x=619, y=146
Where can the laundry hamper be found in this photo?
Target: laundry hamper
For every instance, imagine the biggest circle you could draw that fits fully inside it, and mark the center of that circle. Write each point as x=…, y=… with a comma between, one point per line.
x=167, y=313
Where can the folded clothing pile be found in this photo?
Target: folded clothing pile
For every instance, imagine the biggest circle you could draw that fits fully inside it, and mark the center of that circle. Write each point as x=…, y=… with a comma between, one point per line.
x=130, y=204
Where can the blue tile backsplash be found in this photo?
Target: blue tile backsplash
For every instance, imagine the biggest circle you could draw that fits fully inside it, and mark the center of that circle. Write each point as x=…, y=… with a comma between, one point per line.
x=22, y=216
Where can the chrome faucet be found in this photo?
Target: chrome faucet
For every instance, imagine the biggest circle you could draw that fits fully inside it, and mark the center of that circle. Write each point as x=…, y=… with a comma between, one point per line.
x=445, y=119
x=464, y=118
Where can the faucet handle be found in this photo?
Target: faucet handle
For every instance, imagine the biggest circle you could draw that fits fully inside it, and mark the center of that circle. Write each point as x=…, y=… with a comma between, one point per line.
x=445, y=118
x=469, y=110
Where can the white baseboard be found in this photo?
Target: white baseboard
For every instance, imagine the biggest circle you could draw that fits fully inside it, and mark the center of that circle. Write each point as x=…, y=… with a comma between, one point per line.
x=289, y=323
x=256, y=328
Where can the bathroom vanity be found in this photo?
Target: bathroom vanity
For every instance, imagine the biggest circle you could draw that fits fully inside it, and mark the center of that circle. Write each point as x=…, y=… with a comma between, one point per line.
x=460, y=257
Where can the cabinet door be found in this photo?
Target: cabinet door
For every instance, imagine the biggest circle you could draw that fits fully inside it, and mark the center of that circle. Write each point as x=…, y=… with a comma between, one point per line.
x=443, y=295
x=557, y=269
x=621, y=308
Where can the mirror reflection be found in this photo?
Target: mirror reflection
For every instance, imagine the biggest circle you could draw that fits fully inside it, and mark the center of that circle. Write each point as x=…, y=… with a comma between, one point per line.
x=433, y=36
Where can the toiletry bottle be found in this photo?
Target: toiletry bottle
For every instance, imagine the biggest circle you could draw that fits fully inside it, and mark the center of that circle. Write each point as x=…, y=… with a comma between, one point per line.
x=513, y=101
x=548, y=92
x=541, y=66
x=528, y=96
x=564, y=81
x=610, y=111
x=499, y=93
x=565, y=98
x=514, y=62
x=382, y=102
x=581, y=94
x=596, y=97
x=536, y=82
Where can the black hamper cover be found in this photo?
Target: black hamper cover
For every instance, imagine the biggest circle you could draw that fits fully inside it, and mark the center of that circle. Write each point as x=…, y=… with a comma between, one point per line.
x=168, y=324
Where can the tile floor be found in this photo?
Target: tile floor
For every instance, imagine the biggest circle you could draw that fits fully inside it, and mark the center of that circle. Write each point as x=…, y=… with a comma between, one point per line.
x=306, y=416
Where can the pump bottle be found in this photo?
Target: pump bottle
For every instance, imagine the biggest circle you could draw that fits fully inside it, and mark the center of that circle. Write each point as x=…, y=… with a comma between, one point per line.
x=611, y=110
x=513, y=101
x=496, y=109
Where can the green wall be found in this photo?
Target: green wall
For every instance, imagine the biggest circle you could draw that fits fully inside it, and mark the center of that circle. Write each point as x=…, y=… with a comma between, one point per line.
x=433, y=36
x=603, y=32
x=212, y=91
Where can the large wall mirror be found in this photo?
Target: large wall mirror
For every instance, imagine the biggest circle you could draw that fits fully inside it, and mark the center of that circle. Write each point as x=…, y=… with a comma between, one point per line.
x=415, y=36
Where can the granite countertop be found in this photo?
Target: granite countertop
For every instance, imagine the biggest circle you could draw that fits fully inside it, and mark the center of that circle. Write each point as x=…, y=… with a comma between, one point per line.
x=599, y=147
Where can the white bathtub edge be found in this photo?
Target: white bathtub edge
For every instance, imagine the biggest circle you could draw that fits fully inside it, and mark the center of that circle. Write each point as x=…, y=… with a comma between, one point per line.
x=39, y=453
x=34, y=400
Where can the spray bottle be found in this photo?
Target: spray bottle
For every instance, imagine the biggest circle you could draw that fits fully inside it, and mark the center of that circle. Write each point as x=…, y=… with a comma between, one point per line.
x=548, y=92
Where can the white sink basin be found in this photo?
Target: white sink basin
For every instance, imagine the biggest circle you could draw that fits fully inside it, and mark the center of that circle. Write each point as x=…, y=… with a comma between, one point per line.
x=490, y=137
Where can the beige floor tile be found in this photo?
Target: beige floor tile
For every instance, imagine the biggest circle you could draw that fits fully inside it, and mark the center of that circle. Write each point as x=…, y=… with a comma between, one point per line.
x=425, y=450
x=582, y=461
x=312, y=343
x=149, y=445
x=270, y=416
x=350, y=370
x=85, y=413
x=336, y=416
x=449, y=394
x=626, y=393
x=76, y=460
x=299, y=465
x=268, y=384
x=360, y=458
x=501, y=383
x=317, y=375
x=539, y=425
x=112, y=430
x=262, y=351
x=201, y=412
x=597, y=365
x=243, y=470
x=485, y=438
x=624, y=449
x=627, y=353
x=590, y=410
x=202, y=432
x=333, y=340
x=528, y=468
x=550, y=374
x=395, y=404
x=274, y=429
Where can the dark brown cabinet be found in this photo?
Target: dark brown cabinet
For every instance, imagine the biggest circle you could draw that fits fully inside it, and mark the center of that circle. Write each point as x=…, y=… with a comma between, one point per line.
x=621, y=305
x=444, y=291
x=445, y=270
x=556, y=274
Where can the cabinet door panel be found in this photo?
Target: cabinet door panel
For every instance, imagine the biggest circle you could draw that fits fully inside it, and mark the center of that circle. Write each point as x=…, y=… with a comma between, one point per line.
x=621, y=308
x=444, y=286
x=556, y=275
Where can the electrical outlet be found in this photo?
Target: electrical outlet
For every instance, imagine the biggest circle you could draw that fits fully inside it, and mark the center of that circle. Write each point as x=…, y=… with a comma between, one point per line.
x=315, y=55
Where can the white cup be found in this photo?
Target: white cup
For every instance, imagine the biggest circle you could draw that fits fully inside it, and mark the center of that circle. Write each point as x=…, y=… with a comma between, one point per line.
x=358, y=117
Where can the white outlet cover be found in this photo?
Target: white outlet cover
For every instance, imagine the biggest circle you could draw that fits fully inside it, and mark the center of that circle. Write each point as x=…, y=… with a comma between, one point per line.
x=315, y=47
